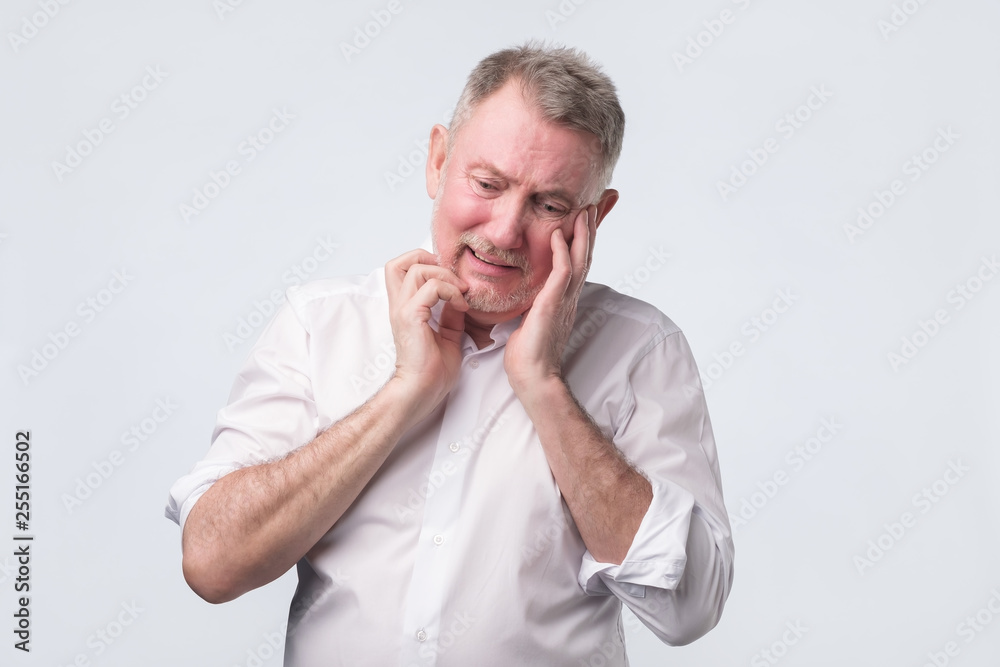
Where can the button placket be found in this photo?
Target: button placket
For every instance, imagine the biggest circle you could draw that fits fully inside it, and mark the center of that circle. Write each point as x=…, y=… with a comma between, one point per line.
x=434, y=563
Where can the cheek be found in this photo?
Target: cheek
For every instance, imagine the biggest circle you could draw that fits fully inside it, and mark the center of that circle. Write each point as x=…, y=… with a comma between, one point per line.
x=541, y=245
x=541, y=251
x=453, y=217
x=472, y=210
x=463, y=210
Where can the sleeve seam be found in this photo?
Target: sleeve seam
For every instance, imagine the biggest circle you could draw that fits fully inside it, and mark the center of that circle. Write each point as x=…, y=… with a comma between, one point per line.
x=628, y=401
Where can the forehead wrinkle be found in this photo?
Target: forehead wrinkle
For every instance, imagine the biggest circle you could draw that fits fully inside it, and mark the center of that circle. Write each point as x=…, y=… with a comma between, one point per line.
x=493, y=169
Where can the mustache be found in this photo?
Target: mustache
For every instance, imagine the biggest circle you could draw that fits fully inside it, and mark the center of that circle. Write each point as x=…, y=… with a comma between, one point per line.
x=484, y=247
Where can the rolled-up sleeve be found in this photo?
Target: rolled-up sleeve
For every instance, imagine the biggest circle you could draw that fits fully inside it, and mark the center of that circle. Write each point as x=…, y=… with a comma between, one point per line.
x=678, y=571
x=271, y=411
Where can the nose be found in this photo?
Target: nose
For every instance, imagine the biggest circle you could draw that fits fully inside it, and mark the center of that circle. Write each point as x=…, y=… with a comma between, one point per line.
x=509, y=219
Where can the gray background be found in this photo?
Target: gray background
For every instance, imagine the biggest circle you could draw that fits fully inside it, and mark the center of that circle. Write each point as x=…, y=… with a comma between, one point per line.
x=190, y=283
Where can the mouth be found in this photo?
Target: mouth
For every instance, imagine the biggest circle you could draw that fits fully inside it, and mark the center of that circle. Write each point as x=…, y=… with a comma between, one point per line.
x=491, y=261
x=489, y=265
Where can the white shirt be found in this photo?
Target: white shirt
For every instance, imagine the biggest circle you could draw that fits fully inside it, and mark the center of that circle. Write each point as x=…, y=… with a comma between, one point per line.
x=460, y=551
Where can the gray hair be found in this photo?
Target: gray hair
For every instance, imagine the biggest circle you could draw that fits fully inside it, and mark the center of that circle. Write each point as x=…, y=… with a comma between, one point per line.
x=563, y=84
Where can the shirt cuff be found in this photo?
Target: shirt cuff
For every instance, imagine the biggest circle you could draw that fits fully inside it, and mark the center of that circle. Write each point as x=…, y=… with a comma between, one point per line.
x=657, y=555
x=188, y=489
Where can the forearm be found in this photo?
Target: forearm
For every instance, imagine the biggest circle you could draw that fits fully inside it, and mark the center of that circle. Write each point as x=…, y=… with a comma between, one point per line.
x=253, y=524
x=605, y=494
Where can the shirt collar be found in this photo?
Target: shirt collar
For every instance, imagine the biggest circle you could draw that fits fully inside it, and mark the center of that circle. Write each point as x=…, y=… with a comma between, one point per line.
x=500, y=332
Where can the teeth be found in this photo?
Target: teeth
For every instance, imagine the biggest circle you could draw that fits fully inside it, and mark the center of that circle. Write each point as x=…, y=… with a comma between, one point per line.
x=483, y=259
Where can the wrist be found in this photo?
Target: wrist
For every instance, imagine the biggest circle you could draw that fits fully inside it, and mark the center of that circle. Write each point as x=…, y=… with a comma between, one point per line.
x=398, y=396
x=409, y=398
x=542, y=393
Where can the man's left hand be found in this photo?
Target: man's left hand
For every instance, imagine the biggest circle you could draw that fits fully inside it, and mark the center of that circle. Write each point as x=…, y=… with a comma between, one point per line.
x=533, y=354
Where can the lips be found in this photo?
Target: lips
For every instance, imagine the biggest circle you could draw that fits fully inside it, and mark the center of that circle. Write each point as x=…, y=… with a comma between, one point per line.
x=481, y=258
x=487, y=265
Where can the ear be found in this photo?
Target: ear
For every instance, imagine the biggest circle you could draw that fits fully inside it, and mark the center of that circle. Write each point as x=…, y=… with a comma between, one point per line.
x=437, y=151
x=604, y=205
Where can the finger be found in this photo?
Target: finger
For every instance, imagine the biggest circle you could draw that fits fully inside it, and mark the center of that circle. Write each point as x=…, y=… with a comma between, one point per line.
x=562, y=267
x=580, y=249
x=428, y=296
x=592, y=228
x=418, y=275
x=452, y=323
x=396, y=269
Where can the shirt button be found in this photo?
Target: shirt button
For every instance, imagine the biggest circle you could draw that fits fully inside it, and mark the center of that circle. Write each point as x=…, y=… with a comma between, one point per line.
x=474, y=363
x=421, y=636
x=439, y=540
x=454, y=446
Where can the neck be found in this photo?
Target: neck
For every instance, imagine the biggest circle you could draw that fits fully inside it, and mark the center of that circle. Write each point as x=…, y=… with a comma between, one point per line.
x=480, y=333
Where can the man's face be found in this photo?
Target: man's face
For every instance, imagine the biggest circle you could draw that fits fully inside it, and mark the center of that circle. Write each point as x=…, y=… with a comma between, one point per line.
x=512, y=178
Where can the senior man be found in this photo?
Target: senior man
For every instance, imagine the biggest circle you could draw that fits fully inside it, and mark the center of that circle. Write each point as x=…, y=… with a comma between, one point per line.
x=540, y=453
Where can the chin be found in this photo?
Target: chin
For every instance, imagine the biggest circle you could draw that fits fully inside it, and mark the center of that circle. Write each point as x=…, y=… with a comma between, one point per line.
x=494, y=303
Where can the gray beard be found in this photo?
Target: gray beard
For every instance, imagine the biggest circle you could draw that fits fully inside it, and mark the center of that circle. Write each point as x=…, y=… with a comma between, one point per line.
x=489, y=299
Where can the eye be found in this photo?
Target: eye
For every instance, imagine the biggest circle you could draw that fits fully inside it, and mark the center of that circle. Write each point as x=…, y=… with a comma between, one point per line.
x=484, y=186
x=551, y=209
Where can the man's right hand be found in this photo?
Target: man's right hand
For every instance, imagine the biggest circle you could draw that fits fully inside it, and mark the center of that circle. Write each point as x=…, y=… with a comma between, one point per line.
x=255, y=523
x=427, y=361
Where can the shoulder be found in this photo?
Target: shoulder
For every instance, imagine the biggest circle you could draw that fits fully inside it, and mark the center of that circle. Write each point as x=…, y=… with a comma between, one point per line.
x=600, y=301
x=613, y=332
x=330, y=298
x=371, y=285
x=620, y=345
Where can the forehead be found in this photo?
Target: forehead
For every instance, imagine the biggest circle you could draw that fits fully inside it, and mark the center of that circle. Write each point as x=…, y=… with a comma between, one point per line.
x=508, y=136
